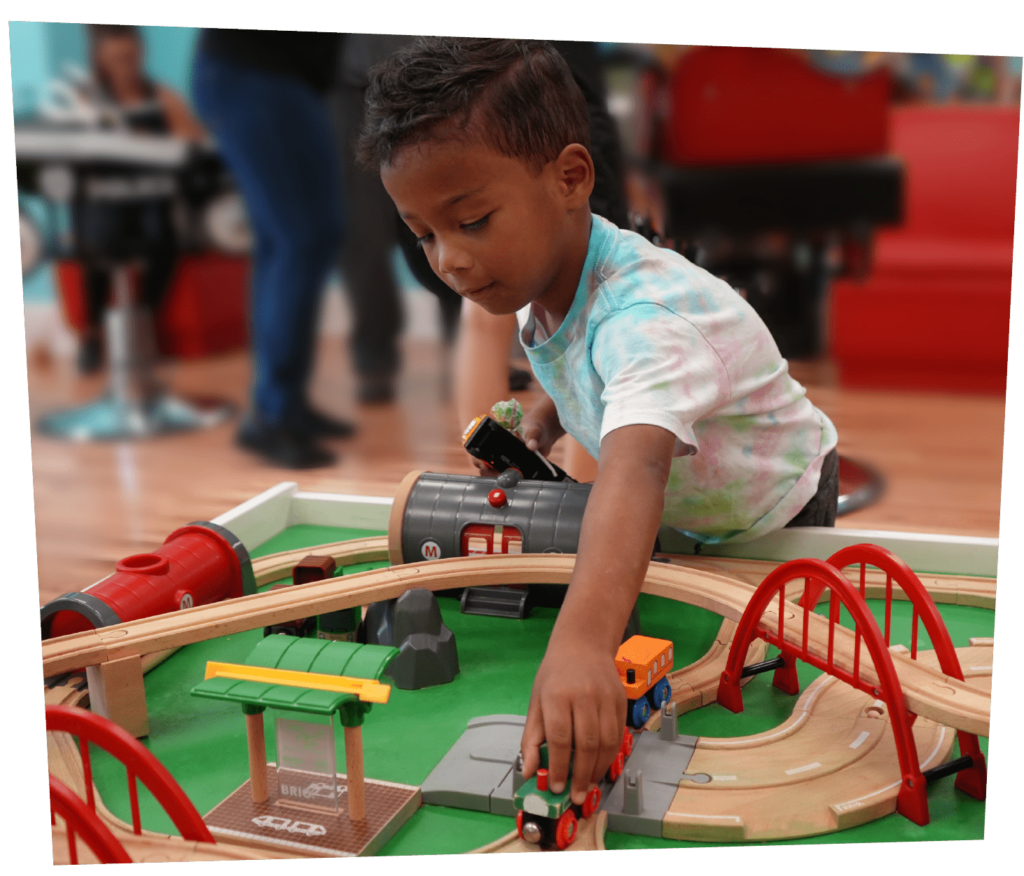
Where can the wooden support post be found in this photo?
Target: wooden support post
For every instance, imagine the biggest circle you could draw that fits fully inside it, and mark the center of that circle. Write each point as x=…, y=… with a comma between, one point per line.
x=257, y=757
x=117, y=692
x=354, y=771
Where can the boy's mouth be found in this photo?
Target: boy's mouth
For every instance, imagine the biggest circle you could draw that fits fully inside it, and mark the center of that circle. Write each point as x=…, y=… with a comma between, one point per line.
x=474, y=293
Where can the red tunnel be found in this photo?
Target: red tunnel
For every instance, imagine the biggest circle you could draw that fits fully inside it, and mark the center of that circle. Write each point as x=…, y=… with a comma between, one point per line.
x=197, y=564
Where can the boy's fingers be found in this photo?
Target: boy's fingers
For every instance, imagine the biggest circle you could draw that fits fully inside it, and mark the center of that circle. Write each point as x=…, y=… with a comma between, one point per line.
x=612, y=730
x=533, y=736
x=483, y=467
x=532, y=434
x=587, y=733
x=558, y=729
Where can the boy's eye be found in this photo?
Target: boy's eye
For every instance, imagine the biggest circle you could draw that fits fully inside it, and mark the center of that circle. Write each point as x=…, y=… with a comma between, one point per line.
x=422, y=241
x=476, y=226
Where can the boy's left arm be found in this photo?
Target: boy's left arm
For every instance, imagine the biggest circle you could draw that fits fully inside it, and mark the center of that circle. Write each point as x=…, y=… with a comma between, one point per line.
x=578, y=702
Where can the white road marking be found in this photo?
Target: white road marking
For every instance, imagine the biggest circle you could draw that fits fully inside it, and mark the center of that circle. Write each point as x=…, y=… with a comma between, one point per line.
x=803, y=769
x=860, y=740
x=849, y=804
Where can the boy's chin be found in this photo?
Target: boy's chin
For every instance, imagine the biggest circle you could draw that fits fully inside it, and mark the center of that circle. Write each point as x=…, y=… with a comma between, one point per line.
x=495, y=309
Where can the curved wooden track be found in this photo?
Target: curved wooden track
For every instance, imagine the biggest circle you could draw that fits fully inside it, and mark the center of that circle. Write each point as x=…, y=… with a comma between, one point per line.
x=830, y=766
x=589, y=839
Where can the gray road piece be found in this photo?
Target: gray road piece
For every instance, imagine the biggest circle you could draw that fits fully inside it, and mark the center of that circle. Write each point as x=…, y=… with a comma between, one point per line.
x=660, y=765
x=476, y=773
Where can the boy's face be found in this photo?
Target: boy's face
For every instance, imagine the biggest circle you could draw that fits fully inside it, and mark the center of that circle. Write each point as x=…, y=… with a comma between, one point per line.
x=496, y=231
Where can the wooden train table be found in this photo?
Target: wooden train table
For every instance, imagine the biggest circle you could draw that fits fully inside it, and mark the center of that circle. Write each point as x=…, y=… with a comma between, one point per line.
x=818, y=767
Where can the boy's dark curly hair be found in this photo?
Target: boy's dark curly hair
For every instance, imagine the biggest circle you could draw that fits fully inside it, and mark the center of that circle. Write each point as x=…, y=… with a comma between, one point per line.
x=517, y=96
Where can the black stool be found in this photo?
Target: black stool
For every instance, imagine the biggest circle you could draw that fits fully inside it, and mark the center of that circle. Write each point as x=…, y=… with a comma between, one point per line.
x=104, y=177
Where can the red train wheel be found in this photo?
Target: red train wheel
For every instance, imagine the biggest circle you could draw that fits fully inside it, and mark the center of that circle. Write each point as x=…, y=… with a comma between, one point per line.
x=565, y=830
x=627, y=743
x=592, y=802
x=519, y=823
x=615, y=770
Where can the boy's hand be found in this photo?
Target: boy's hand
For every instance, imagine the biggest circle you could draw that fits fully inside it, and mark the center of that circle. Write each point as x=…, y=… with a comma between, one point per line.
x=482, y=468
x=577, y=704
x=541, y=427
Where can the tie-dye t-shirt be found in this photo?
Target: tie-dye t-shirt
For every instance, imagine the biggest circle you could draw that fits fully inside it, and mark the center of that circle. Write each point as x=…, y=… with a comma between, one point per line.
x=653, y=339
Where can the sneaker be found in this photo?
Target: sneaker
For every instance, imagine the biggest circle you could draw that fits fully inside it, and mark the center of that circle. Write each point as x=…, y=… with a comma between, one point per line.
x=320, y=425
x=376, y=389
x=283, y=447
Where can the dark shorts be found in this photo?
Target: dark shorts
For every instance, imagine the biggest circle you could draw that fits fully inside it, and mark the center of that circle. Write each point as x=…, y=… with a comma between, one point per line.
x=823, y=505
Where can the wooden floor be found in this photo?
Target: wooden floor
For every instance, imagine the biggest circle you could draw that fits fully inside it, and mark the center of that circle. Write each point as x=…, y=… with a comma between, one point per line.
x=95, y=503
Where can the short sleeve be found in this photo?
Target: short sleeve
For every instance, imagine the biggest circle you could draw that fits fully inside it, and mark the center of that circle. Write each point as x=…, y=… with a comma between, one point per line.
x=657, y=369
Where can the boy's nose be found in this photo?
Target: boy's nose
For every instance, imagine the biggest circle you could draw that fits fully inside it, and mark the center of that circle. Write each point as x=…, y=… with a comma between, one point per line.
x=452, y=259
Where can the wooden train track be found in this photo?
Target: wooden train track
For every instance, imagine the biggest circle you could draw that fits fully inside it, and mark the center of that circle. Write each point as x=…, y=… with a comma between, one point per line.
x=929, y=693
x=589, y=838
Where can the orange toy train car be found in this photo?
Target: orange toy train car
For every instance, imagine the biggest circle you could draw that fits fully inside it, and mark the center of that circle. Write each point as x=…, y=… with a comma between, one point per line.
x=643, y=663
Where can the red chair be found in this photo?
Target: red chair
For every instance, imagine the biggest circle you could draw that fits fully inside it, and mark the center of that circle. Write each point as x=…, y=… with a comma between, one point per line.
x=731, y=105
x=934, y=312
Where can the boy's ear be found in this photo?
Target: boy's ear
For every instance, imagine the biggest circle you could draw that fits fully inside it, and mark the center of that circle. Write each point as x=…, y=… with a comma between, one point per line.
x=575, y=169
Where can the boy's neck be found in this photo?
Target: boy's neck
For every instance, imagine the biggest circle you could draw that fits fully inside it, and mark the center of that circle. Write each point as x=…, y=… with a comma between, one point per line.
x=552, y=309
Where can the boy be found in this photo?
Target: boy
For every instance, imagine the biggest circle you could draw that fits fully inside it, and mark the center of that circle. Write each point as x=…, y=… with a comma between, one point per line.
x=660, y=370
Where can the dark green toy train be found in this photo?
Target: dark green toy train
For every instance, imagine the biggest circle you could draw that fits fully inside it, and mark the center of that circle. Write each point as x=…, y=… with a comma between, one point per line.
x=549, y=819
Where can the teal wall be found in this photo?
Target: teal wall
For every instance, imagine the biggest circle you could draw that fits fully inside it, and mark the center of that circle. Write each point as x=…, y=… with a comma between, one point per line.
x=29, y=63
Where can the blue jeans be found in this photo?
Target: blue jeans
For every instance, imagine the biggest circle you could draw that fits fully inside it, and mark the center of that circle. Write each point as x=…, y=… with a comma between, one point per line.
x=275, y=135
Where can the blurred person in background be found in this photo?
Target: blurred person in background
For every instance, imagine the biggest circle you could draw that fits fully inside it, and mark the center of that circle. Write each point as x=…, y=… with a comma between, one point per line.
x=927, y=78
x=1010, y=87
x=987, y=78
x=262, y=95
x=366, y=252
x=125, y=98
